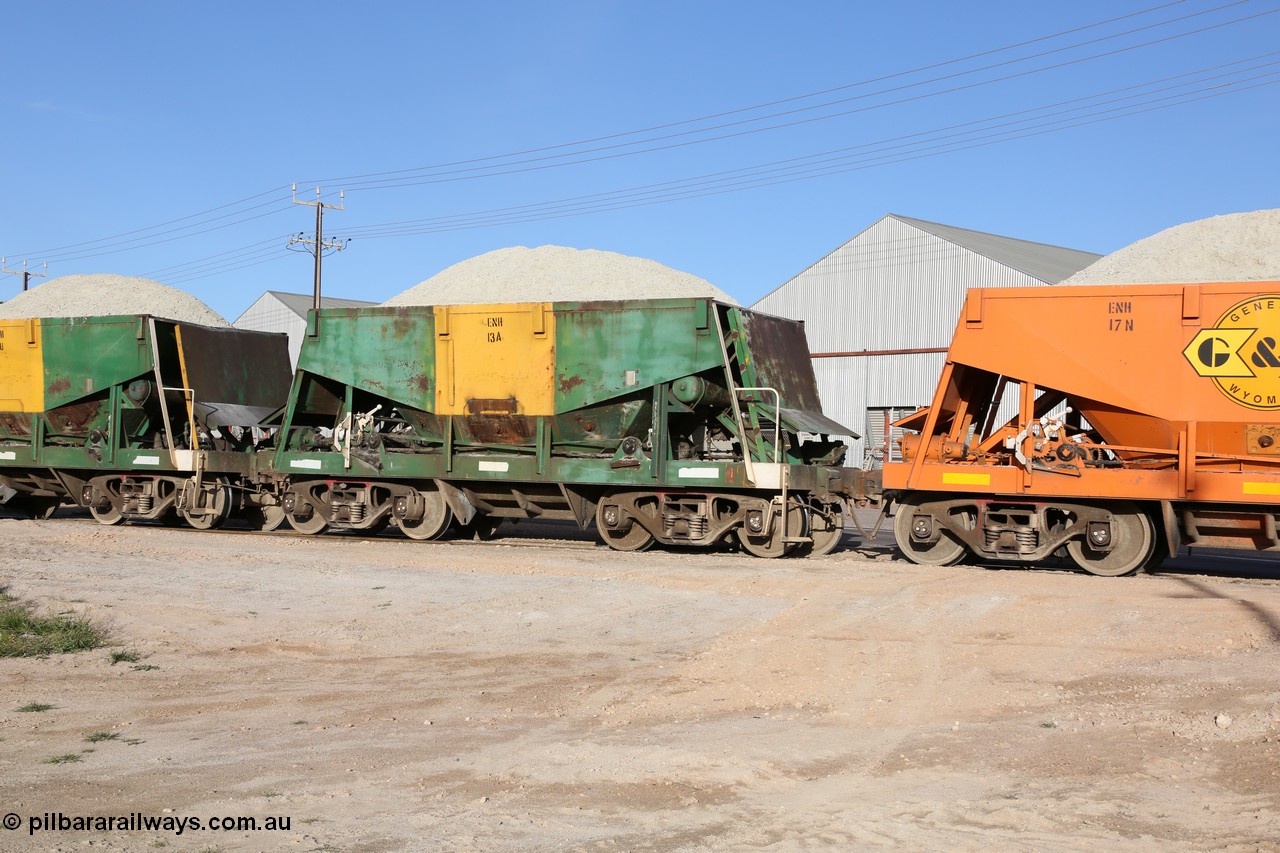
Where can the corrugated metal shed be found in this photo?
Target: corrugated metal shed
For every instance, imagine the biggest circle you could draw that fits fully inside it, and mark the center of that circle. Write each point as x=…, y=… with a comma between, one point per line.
x=276, y=311
x=871, y=306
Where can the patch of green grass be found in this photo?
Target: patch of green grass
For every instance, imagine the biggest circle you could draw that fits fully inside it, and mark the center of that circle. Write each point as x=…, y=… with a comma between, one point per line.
x=1049, y=725
x=126, y=656
x=299, y=722
x=101, y=736
x=26, y=633
x=35, y=708
x=144, y=667
x=69, y=758
x=132, y=741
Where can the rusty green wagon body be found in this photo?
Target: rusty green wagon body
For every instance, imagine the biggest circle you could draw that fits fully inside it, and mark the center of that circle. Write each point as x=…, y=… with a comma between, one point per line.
x=136, y=416
x=679, y=421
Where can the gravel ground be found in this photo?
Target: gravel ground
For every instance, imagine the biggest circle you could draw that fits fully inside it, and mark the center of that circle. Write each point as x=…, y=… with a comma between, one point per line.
x=534, y=694
x=1235, y=247
x=104, y=294
x=555, y=273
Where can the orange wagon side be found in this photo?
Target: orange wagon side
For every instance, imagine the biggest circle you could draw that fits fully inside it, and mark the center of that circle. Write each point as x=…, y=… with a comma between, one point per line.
x=1113, y=422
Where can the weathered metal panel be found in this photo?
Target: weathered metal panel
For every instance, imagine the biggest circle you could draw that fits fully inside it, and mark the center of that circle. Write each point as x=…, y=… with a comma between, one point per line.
x=780, y=359
x=606, y=350
x=385, y=351
x=234, y=373
x=85, y=356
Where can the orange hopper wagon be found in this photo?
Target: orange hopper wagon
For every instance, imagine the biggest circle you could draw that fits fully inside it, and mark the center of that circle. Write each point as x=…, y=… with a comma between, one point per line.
x=1114, y=423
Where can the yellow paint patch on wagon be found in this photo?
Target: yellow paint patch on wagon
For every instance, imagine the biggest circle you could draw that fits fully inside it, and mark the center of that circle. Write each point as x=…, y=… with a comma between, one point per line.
x=21, y=366
x=1256, y=488
x=495, y=359
x=951, y=478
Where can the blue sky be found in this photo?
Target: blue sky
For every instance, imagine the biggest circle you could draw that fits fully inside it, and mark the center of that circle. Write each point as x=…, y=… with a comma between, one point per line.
x=161, y=139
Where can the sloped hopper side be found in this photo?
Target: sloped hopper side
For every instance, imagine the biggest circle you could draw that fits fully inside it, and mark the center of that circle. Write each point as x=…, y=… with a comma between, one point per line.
x=780, y=356
x=238, y=377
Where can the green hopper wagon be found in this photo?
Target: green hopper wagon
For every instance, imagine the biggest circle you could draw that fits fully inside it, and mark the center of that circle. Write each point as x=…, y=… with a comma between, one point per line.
x=136, y=417
x=679, y=421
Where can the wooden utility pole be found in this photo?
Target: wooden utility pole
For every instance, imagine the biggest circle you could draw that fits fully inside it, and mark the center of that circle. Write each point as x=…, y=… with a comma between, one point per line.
x=318, y=245
x=24, y=272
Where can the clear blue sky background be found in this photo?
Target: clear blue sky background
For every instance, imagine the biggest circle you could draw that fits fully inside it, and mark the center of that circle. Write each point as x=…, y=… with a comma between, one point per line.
x=122, y=117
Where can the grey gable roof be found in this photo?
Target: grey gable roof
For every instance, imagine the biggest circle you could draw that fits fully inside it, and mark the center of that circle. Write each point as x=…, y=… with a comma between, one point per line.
x=300, y=303
x=1050, y=264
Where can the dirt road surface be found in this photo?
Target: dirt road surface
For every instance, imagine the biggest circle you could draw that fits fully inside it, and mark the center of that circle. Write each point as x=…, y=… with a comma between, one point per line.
x=537, y=694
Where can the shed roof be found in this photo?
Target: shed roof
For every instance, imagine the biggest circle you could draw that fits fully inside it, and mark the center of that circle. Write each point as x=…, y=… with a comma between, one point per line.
x=1050, y=264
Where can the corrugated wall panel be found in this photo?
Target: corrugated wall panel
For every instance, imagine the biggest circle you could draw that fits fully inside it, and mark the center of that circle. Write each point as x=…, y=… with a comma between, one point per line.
x=849, y=386
x=269, y=314
x=894, y=286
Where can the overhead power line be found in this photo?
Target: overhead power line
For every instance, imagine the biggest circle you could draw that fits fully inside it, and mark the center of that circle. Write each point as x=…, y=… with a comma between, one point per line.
x=991, y=127
x=348, y=179
x=417, y=176
x=239, y=212
x=580, y=158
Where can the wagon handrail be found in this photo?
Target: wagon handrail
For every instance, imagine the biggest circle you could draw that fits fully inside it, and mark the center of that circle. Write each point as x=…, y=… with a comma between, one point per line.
x=777, y=415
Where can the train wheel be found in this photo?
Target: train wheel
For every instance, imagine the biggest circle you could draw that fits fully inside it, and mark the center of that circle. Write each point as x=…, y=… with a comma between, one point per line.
x=312, y=525
x=773, y=545
x=1132, y=546
x=435, y=518
x=108, y=515
x=265, y=518
x=214, y=514
x=826, y=526
x=610, y=518
x=944, y=552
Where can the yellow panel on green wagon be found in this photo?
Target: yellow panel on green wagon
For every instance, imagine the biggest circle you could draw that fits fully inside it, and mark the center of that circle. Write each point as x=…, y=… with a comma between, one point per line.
x=495, y=359
x=21, y=366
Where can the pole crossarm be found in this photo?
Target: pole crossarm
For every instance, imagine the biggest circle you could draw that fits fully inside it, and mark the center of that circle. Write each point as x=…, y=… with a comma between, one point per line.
x=318, y=245
x=24, y=272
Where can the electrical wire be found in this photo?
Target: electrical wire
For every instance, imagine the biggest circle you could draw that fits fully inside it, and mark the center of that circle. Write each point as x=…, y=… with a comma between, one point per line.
x=765, y=105
x=499, y=171
x=579, y=158
x=593, y=202
x=155, y=236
